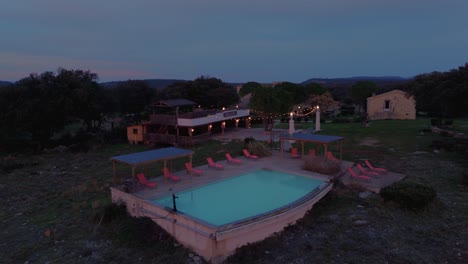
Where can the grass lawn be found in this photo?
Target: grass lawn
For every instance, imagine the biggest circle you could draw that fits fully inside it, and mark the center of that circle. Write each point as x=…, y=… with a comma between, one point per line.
x=55, y=207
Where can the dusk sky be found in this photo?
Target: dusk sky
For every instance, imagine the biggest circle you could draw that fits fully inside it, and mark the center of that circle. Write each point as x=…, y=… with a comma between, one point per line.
x=236, y=41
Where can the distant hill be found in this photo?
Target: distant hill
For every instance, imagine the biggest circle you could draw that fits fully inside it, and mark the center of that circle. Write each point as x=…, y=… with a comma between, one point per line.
x=153, y=83
x=352, y=80
x=5, y=83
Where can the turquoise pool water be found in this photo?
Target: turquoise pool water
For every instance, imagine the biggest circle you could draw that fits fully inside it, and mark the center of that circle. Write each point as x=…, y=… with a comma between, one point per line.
x=242, y=197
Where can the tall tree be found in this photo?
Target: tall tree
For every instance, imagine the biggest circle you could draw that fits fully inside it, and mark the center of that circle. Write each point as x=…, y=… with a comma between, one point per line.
x=361, y=90
x=297, y=92
x=442, y=94
x=208, y=92
x=269, y=102
x=324, y=101
x=40, y=105
x=248, y=88
x=314, y=89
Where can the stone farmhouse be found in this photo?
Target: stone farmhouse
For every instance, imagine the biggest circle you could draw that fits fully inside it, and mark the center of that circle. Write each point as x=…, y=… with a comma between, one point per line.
x=395, y=104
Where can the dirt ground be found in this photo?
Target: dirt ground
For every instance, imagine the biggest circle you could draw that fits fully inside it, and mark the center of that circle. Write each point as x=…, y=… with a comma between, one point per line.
x=52, y=203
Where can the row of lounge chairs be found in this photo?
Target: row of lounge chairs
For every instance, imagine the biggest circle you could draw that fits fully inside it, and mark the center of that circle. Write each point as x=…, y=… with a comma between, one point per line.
x=188, y=166
x=368, y=173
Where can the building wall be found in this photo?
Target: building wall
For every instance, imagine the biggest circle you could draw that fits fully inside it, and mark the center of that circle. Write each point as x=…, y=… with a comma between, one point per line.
x=135, y=134
x=392, y=105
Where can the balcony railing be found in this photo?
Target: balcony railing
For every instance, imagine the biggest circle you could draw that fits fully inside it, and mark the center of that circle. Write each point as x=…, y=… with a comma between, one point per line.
x=197, y=118
x=163, y=119
x=171, y=139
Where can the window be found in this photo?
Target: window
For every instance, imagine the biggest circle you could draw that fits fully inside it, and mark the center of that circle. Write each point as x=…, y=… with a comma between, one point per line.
x=387, y=105
x=135, y=131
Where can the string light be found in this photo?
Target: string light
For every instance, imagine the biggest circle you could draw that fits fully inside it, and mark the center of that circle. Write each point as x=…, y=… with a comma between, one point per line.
x=313, y=110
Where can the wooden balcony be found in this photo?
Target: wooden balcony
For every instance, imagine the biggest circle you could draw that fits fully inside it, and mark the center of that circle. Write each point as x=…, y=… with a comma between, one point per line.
x=163, y=119
x=184, y=141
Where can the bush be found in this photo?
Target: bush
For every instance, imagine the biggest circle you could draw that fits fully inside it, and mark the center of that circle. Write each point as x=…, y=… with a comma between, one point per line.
x=247, y=140
x=448, y=122
x=436, y=122
x=409, y=195
x=321, y=165
x=258, y=148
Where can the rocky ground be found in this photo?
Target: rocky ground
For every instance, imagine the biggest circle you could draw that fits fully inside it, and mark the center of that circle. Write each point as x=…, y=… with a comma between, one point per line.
x=53, y=210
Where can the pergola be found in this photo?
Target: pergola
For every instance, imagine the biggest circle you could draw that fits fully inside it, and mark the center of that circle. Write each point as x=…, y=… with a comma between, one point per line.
x=322, y=140
x=149, y=157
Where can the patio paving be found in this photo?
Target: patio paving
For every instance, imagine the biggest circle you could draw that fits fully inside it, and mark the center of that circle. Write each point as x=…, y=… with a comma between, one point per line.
x=278, y=161
x=274, y=162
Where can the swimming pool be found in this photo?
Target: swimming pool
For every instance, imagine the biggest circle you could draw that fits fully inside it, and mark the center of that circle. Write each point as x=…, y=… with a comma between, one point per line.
x=241, y=197
x=214, y=219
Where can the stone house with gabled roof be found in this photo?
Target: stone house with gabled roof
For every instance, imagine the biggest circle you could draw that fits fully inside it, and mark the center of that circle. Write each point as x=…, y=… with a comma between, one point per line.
x=395, y=104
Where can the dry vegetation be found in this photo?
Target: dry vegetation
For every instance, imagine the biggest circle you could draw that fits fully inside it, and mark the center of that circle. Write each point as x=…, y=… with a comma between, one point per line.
x=321, y=165
x=55, y=209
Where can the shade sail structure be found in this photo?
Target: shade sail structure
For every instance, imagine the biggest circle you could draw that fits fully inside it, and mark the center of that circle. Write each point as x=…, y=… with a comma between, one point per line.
x=148, y=157
x=152, y=156
x=322, y=140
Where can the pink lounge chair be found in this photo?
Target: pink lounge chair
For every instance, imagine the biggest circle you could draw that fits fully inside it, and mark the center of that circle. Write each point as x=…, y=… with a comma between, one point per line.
x=366, y=172
x=330, y=156
x=312, y=153
x=248, y=155
x=212, y=164
x=357, y=176
x=142, y=179
x=294, y=153
x=232, y=160
x=191, y=170
x=169, y=175
x=372, y=168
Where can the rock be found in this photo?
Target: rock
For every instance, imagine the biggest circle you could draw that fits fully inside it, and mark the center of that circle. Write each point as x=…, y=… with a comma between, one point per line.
x=191, y=255
x=48, y=233
x=197, y=259
x=364, y=195
x=333, y=217
x=436, y=151
x=360, y=222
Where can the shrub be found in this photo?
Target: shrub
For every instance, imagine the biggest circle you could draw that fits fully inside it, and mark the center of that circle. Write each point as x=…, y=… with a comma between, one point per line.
x=436, y=122
x=448, y=122
x=258, y=148
x=247, y=140
x=409, y=195
x=321, y=165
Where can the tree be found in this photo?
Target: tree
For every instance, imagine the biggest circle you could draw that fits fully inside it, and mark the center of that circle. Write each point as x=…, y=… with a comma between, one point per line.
x=361, y=90
x=324, y=101
x=269, y=102
x=207, y=92
x=442, y=94
x=81, y=95
x=132, y=98
x=39, y=106
x=314, y=89
x=296, y=91
x=248, y=88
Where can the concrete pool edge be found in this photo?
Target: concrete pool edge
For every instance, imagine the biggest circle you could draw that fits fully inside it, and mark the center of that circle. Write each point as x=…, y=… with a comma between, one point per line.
x=213, y=243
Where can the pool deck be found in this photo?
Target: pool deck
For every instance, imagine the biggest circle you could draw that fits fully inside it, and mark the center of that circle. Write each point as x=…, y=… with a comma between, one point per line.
x=274, y=162
x=213, y=243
